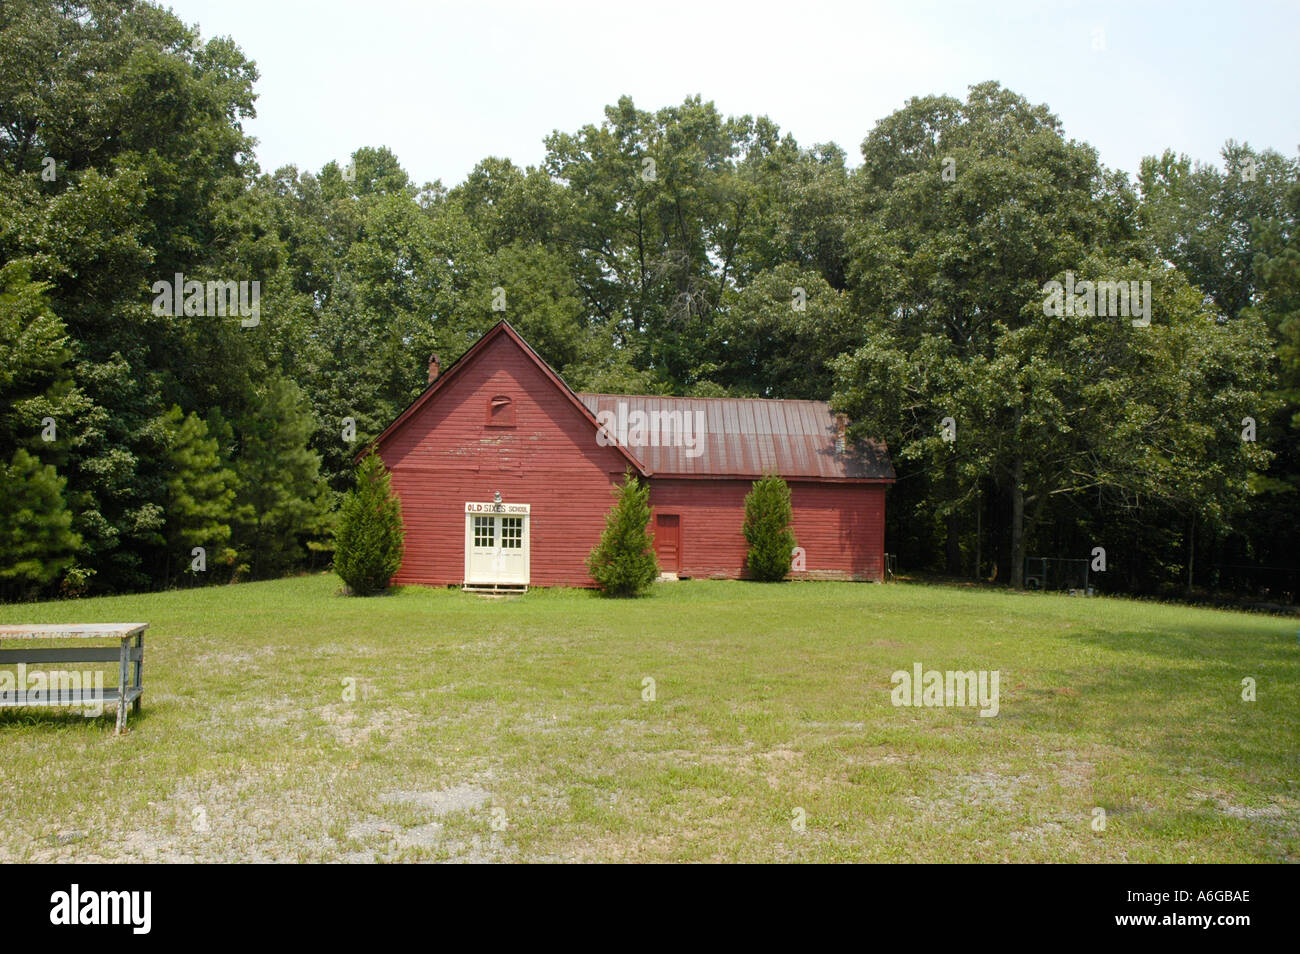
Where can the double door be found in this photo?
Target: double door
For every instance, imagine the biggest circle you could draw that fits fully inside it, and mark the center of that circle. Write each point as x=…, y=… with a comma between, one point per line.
x=496, y=548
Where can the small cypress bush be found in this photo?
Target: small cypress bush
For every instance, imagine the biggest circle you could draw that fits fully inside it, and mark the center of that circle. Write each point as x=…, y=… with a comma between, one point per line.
x=767, y=529
x=369, y=537
x=624, y=563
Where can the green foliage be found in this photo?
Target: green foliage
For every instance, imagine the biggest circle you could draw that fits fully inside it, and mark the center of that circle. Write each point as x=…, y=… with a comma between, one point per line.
x=1047, y=409
x=142, y=121
x=1209, y=222
x=280, y=479
x=76, y=581
x=624, y=562
x=200, y=490
x=1279, y=293
x=1275, y=523
x=37, y=542
x=36, y=379
x=541, y=303
x=381, y=277
x=369, y=537
x=656, y=252
x=767, y=529
x=654, y=247
x=776, y=335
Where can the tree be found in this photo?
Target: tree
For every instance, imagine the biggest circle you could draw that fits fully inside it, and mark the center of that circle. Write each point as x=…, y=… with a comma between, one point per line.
x=542, y=303
x=656, y=214
x=200, y=491
x=1272, y=533
x=624, y=562
x=1209, y=222
x=1227, y=228
x=674, y=251
x=803, y=205
x=279, y=476
x=36, y=538
x=1117, y=419
x=141, y=123
x=508, y=205
x=966, y=210
x=36, y=380
x=767, y=529
x=369, y=538
x=774, y=338
x=382, y=276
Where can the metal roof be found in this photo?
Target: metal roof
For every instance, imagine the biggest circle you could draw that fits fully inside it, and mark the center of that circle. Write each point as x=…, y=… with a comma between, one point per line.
x=736, y=437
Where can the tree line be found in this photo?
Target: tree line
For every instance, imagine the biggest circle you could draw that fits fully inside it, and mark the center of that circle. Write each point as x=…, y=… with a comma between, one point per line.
x=674, y=251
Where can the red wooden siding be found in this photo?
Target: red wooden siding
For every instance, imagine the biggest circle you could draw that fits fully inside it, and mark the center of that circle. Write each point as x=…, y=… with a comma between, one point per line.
x=841, y=526
x=445, y=455
x=455, y=445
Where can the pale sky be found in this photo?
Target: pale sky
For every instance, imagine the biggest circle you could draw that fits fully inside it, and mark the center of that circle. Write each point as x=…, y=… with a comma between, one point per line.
x=446, y=84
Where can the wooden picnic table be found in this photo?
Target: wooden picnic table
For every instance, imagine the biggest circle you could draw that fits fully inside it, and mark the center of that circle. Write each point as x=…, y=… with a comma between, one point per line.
x=128, y=690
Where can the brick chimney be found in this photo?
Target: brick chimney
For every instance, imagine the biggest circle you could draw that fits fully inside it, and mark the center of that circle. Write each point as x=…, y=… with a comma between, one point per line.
x=841, y=426
x=434, y=368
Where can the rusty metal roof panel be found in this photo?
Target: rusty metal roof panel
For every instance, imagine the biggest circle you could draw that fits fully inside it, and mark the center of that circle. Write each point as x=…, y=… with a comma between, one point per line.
x=736, y=437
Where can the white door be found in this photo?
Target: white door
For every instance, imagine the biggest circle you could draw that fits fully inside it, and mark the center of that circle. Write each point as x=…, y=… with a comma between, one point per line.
x=496, y=543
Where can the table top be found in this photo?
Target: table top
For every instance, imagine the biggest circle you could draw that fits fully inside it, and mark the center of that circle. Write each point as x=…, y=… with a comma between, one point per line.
x=72, y=630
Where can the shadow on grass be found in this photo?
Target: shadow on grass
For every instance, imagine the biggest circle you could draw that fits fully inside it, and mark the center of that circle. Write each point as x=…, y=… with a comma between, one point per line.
x=54, y=719
x=1204, y=641
x=1182, y=718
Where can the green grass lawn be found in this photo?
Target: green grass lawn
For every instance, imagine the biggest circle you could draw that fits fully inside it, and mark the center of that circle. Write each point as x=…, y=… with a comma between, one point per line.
x=517, y=729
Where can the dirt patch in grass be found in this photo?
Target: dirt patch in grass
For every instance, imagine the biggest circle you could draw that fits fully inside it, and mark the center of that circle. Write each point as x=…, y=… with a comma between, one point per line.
x=984, y=790
x=460, y=798
x=434, y=839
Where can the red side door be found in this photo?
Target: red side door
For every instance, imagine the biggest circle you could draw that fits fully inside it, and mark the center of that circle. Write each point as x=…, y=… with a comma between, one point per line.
x=668, y=542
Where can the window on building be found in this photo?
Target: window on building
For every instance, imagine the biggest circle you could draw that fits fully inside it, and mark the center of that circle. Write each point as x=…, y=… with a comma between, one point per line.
x=512, y=533
x=501, y=412
x=483, y=531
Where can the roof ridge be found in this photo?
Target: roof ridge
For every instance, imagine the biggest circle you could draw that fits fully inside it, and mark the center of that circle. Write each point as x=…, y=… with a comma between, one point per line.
x=695, y=397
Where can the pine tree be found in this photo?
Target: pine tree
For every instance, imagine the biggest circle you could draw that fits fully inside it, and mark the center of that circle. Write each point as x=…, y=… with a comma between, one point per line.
x=36, y=379
x=767, y=529
x=279, y=478
x=200, y=491
x=624, y=563
x=36, y=538
x=369, y=538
